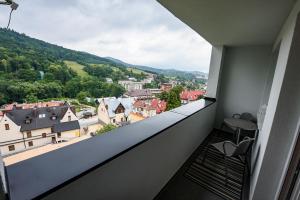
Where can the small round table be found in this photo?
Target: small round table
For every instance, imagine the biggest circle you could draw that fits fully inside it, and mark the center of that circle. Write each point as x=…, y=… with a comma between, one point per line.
x=240, y=124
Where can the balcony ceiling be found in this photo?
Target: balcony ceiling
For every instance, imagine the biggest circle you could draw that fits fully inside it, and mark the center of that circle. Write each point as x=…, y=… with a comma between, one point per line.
x=233, y=22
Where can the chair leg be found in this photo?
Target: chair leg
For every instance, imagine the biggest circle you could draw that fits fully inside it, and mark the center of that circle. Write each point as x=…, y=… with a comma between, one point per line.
x=226, y=171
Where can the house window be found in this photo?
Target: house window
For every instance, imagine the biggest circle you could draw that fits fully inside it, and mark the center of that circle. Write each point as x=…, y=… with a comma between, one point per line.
x=114, y=120
x=6, y=126
x=59, y=135
x=29, y=134
x=42, y=115
x=69, y=118
x=11, y=147
x=44, y=135
x=122, y=119
x=30, y=143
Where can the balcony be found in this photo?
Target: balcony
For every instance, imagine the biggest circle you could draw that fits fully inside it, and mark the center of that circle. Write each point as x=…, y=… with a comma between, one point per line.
x=254, y=63
x=121, y=160
x=203, y=176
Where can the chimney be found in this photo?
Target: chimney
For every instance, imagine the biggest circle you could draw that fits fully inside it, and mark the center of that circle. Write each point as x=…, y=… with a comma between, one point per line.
x=35, y=111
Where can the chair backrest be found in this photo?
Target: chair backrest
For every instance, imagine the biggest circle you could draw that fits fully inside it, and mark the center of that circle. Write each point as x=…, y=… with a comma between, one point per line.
x=243, y=146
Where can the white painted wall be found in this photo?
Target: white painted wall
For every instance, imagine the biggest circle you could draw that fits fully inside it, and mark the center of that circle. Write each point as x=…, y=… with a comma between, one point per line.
x=67, y=114
x=215, y=68
x=279, y=131
x=244, y=75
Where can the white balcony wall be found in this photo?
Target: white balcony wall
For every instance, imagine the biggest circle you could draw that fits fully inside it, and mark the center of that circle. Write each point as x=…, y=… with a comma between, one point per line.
x=244, y=79
x=280, y=129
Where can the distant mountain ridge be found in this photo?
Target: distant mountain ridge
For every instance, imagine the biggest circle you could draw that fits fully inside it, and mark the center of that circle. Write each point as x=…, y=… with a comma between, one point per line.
x=166, y=72
x=15, y=40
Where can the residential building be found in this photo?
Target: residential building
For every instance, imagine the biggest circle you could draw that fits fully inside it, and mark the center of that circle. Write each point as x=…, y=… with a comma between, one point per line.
x=109, y=80
x=131, y=85
x=21, y=129
x=140, y=94
x=115, y=111
x=188, y=96
x=155, y=91
x=166, y=87
x=144, y=109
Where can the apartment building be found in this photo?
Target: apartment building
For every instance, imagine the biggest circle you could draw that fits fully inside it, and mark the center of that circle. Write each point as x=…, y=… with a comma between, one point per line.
x=131, y=85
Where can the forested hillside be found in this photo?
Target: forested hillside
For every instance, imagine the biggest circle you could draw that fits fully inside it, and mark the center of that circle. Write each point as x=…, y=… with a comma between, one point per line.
x=32, y=70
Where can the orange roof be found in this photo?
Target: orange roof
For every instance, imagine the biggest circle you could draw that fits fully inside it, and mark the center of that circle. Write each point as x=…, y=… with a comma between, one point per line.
x=191, y=95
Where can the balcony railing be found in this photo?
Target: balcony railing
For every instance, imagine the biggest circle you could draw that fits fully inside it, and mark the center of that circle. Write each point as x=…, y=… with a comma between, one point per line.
x=131, y=162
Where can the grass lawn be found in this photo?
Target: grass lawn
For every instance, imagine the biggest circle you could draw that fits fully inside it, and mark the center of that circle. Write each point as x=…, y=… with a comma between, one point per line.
x=135, y=71
x=77, y=68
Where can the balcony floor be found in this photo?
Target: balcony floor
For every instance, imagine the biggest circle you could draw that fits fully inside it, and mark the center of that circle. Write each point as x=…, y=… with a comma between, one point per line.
x=204, y=179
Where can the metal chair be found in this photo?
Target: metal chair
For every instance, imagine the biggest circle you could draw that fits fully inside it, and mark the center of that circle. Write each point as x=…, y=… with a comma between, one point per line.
x=230, y=149
x=239, y=122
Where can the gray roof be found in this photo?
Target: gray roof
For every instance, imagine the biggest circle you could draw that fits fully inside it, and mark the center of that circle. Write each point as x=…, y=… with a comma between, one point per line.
x=19, y=116
x=113, y=103
x=66, y=126
x=139, y=93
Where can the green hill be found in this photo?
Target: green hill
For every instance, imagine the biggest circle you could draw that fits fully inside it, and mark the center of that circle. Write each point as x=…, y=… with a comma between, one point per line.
x=78, y=68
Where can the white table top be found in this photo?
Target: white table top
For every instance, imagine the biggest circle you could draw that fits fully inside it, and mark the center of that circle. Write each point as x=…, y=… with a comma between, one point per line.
x=241, y=123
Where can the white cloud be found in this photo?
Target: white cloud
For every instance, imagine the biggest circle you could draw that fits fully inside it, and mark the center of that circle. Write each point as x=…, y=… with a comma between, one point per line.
x=135, y=31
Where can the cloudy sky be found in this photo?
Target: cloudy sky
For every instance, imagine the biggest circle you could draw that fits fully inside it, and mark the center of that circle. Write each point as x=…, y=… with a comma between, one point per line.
x=135, y=31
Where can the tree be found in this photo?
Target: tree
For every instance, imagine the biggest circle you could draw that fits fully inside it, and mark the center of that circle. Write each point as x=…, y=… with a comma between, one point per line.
x=173, y=101
x=106, y=128
x=31, y=98
x=73, y=87
x=81, y=97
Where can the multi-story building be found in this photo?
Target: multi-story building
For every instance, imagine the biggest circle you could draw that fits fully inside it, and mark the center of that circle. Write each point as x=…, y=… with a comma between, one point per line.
x=166, y=87
x=131, y=85
x=140, y=94
x=115, y=111
x=21, y=129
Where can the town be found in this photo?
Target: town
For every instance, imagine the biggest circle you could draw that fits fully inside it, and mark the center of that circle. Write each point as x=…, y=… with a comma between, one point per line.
x=31, y=129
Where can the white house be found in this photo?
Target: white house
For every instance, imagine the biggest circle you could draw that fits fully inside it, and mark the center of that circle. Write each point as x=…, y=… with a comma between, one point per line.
x=115, y=111
x=21, y=129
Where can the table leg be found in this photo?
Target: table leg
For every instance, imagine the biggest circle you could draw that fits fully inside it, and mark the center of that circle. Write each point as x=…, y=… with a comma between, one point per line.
x=238, y=135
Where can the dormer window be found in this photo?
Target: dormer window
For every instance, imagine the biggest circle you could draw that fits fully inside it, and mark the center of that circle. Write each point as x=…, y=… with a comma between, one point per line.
x=42, y=115
x=27, y=120
x=53, y=117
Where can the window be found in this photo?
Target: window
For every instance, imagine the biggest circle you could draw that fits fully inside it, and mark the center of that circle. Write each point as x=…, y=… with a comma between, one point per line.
x=44, y=135
x=114, y=120
x=59, y=135
x=6, y=126
x=30, y=143
x=42, y=115
x=122, y=119
x=69, y=118
x=11, y=147
x=29, y=134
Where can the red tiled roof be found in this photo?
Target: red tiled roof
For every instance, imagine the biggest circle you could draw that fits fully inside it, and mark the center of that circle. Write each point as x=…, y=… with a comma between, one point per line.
x=191, y=95
x=159, y=105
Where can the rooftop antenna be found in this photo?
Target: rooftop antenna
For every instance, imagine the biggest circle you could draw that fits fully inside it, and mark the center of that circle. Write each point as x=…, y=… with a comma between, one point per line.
x=13, y=7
